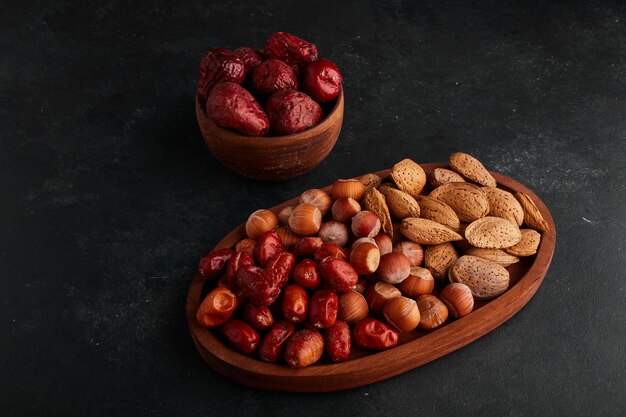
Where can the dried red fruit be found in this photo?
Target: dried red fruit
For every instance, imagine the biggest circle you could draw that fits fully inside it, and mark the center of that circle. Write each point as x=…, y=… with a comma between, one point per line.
x=260, y=318
x=323, y=309
x=373, y=334
x=338, y=341
x=273, y=344
x=216, y=308
x=257, y=286
x=241, y=336
x=280, y=267
x=289, y=48
x=232, y=106
x=268, y=246
x=304, y=348
x=217, y=66
x=330, y=249
x=292, y=111
x=307, y=275
x=251, y=58
x=295, y=305
x=307, y=246
x=229, y=280
x=338, y=274
x=214, y=263
x=321, y=80
x=273, y=75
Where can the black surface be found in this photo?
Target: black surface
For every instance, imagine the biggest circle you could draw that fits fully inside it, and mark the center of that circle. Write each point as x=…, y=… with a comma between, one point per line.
x=109, y=196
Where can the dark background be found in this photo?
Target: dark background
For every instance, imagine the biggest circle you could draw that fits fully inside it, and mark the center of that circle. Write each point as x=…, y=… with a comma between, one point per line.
x=109, y=196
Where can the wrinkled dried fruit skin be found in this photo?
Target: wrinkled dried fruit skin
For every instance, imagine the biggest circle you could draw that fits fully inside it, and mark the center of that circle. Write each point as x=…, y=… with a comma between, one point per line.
x=373, y=334
x=307, y=275
x=304, y=348
x=290, y=49
x=241, y=336
x=291, y=111
x=246, y=245
x=260, y=318
x=216, y=308
x=280, y=268
x=338, y=274
x=338, y=341
x=295, y=305
x=273, y=344
x=230, y=105
x=330, y=249
x=307, y=246
x=229, y=280
x=212, y=265
x=322, y=80
x=273, y=75
x=251, y=58
x=257, y=286
x=218, y=66
x=323, y=309
x=268, y=246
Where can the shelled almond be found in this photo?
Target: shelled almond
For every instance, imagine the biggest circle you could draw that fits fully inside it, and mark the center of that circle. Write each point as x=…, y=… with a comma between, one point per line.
x=367, y=259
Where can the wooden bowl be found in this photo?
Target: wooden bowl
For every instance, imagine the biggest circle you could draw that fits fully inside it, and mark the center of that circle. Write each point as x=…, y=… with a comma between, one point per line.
x=414, y=349
x=272, y=157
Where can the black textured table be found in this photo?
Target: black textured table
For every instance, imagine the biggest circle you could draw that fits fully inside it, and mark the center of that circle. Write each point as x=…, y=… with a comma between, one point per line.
x=109, y=196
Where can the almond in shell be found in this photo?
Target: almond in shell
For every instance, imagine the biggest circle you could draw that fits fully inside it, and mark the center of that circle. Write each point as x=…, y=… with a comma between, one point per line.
x=427, y=232
x=439, y=258
x=441, y=176
x=496, y=255
x=486, y=279
x=409, y=177
x=468, y=201
x=401, y=204
x=528, y=245
x=375, y=202
x=492, y=233
x=370, y=180
x=433, y=209
x=503, y=204
x=532, y=215
x=471, y=169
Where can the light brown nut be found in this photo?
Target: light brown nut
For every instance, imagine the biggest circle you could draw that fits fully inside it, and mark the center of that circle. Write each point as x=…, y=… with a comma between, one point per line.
x=471, y=168
x=409, y=177
x=532, y=215
x=438, y=258
x=468, y=201
x=496, y=255
x=375, y=202
x=427, y=232
x=486, y=279
x=438, y=211
x=370, y=180
x=441, y=176
x=401, y=205
x=493, y=233
x=503, y=204
x=528, y=245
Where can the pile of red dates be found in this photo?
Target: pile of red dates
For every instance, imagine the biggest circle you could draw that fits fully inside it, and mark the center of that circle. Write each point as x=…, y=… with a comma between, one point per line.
x=275, y=91
x=317, y=277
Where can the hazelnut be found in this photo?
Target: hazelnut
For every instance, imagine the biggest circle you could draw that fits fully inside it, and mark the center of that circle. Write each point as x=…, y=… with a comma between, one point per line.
x=352, y=188
x=365, y=224
x=344, y=209
x=287, y=236
x=334, y=232
x=305, y=219
x=378, y=294
x=402, y=313
x=283, y=215
x=384, y=243
x=419, y=282
x=411, y=250
x=259, y=222
x=394, y=268
x=433, y=312
x=318, y=198
x=458, y=298
x=352, y=307
x=365, y=258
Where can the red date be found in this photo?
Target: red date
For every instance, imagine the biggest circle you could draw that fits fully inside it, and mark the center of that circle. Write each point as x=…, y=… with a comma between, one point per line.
x=323, y=309
x=337, y=340
x=250, y=58
x=290, y=49
x=322, y=80
x=304, y=348
x=246, y=245
x=273, y=344
x=307, y=275
x=291, y=111
x=295, y=304
x=232, y=106
x=280, y=267
x=268, y=246
x=273, y=75
x=373, y=334
x=307, y=246
x=214, y=263
x=330, y=249
x=229, y=280
x=217, y=66
x=260, y=318
x=217, y=307
x=338, y=274
x=241, y=336
x=257, y=286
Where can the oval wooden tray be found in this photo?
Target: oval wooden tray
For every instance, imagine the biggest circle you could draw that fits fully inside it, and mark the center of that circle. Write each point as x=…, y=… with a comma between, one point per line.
x=414, y=349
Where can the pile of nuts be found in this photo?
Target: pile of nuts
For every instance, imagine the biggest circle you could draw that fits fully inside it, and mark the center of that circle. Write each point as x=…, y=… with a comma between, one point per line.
x=278, y=90
x=368, y=261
